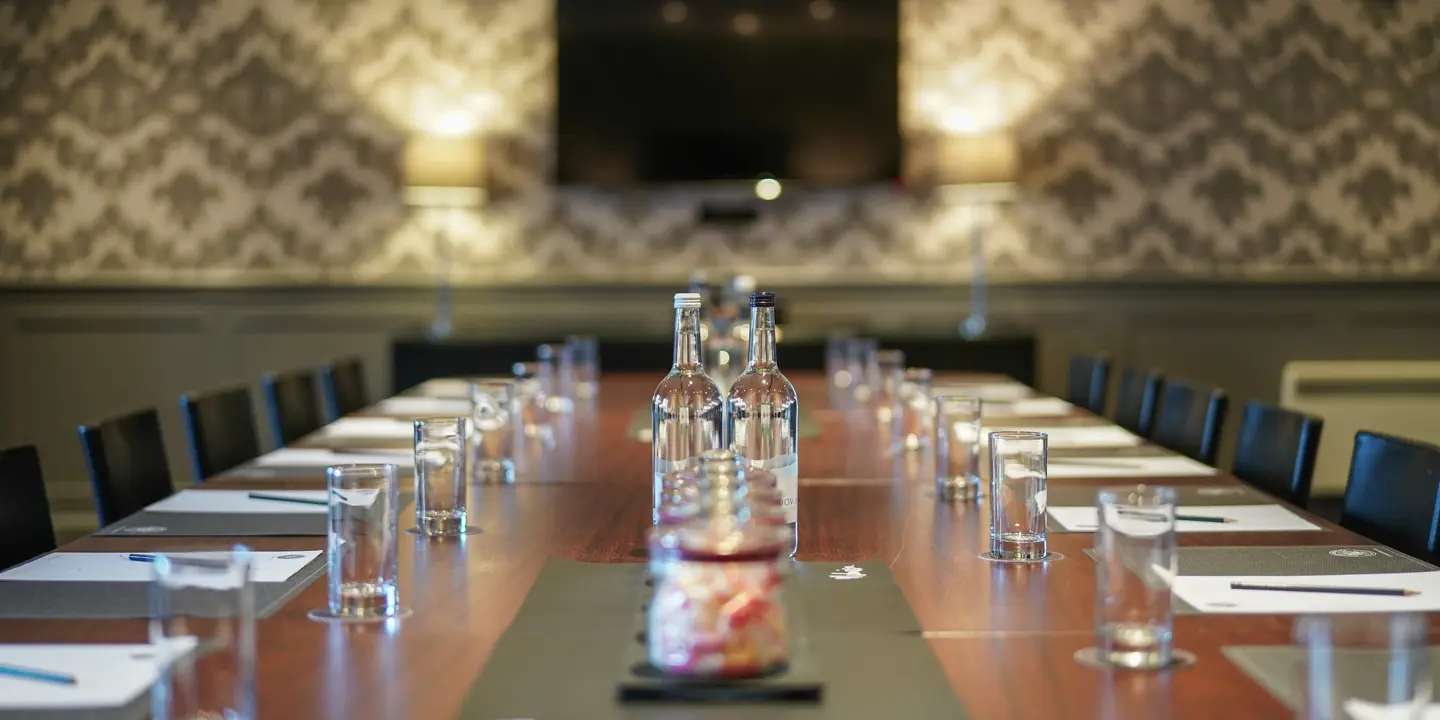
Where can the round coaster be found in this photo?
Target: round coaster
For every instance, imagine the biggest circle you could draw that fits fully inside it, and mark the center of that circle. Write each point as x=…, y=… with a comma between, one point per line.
x=469, y=530
x=1049, y=557
x=1090, y=658
x=324, y=615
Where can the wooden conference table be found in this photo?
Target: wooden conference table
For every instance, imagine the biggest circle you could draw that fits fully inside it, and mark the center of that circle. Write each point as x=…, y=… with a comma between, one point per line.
x=1004, y=634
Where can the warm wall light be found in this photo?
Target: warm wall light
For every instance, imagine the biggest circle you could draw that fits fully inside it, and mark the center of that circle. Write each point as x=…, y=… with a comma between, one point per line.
x=767, y=188
x=978, y=159
x=444, y=172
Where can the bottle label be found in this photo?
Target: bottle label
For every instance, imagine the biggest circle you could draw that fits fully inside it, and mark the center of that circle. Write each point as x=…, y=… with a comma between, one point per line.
x=786, y=470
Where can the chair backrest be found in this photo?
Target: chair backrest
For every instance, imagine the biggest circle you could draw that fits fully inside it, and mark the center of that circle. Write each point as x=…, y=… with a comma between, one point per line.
x=220, y=427
x=1188, y=420
x=1391, y=494
x=1088, y=382
x=25, y=529
x=1276, y=451
x=291, y=402
x=126, y=460
x=342, y=385
x=1135, y=402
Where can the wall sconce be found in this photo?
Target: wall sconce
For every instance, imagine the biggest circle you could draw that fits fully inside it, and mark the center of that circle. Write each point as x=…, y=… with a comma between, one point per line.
x=447, y=175
x=979, y=170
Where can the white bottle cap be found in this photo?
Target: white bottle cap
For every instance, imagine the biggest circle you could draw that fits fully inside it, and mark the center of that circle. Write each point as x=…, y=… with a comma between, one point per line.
x=687, y=300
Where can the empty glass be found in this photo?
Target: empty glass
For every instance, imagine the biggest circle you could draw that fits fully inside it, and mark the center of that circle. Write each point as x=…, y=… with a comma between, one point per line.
x=202, y=630
x=585, y=356
x=839, y=381
x=362, y=543
x=957, y=447
x=440, y=481
x=530, y=397
x=913, y=410
x=557, y=383
x=889, y=373
x=865, y=369
x=492, y=429
x=1017, y=495
x=1363, y=666
x=1135, y=569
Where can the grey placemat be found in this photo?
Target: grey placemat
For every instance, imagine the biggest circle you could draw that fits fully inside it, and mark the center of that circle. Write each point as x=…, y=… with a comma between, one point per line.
x=576, y=619
x=163, y=524
x=79, y=600
x=640, y=425
x=136, y=709
x=1278, y=668
x=1079, y=496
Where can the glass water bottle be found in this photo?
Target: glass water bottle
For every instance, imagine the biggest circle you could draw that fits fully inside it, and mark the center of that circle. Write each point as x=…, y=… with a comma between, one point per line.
x=687, y=412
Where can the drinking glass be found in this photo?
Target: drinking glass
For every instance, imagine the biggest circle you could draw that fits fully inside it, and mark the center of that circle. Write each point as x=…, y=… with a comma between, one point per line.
x=362, y=543
x=585, y=354
x=957, y=447
x=530, y=398
x=1136, y=566
x=839, y=381
x=1363, y=666
x=913, y=410
x=557, y=383
x=1017, y=495
x=885, y=384
x=492, y=423
x=865, y=370
x=202, y=630
x=440, y=485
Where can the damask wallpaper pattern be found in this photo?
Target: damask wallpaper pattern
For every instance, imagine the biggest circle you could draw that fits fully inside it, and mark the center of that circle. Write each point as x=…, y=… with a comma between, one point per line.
x=257, y=141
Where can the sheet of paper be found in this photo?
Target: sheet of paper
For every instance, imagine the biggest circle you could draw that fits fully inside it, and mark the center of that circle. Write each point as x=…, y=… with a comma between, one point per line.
x=370, y=427
x=1248, y=518
x=1212, y=594
x=106, y=676
x=1078, y=436
x=1001, y=391
x=404, y=460
x=408, y=406
x=1364, y=710
x=239, y=501
x=1029, y=407
x=1092, y=467
x=266, y=567
x=444, y=388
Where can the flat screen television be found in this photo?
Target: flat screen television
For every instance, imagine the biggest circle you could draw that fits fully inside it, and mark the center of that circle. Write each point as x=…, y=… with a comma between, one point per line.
x=678, y=91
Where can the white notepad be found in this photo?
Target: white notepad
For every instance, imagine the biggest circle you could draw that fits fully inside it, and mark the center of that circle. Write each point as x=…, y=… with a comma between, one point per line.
x=1101, y=467
x=1080, y=436
x=1029, y=407
x=106, y=676
x=239, y=501
x=370, y=427
x=444, y=388
x=1212, y=594
x=425, y=406
x=998, y=392
x=1364, y=710
x=404, y=460
x=266, y=567
x=1248, y=518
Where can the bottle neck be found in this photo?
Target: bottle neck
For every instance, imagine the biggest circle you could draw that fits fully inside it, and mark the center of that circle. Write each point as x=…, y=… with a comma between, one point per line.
x=762, y=337
x=687, y=339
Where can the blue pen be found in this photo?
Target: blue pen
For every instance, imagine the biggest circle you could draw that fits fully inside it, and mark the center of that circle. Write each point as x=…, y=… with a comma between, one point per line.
x=140, y=557
x=25, y=673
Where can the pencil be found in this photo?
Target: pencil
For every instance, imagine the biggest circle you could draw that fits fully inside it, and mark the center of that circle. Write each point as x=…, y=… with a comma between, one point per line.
x=25, y=673
x=284, y=498
x=1391, y=592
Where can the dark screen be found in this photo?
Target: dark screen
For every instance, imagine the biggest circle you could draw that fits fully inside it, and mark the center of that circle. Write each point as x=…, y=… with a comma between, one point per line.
x=657, y=91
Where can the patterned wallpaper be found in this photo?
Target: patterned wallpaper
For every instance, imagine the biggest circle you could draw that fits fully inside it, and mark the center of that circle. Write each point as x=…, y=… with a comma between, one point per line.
x=257, y=141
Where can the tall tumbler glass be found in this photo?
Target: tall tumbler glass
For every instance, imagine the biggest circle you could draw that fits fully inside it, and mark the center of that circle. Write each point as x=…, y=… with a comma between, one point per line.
x=866, y=370
x=885, y=384
x=838, y=380
x=914, y=409
x=530, y=397
x=1137, y=562
x=558, y=393
x=1017, y=495
x=957, y=447
x=202, y=630
x=1363, y=666
x=362, y=546
x=440, y=480
x=585, y=355
x=493, y=420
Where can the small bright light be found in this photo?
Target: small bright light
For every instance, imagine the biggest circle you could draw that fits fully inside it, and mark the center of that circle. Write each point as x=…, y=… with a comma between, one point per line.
x=674, y=12
x=454, y=124
x=747, y=24
x=822, y=10
x=767, y=189
x=723, y=358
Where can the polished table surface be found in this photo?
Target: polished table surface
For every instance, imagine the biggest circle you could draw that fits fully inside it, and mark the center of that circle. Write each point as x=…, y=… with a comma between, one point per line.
x=1004, y=634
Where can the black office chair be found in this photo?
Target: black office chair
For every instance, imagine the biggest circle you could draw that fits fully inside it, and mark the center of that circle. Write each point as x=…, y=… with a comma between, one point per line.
x=1088, y=382
x=1276, y=451
x=220, y=427
x=25, y=529
x=1189, y=419
x=1391, y=494
x=342, y=385
x=290, y=401
x=126, y=460
x=1135, y=403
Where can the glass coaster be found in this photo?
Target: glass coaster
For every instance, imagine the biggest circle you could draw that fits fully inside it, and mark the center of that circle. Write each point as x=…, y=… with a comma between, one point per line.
x=1090, y=658
x=1049, y=557
x=324, y=615
x=469, y=530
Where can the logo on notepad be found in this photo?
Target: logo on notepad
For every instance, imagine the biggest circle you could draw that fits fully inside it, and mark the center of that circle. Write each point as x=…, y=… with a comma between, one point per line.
x=1352, y=553
x=849, y=572
x=141, y=529
x=1218, y=491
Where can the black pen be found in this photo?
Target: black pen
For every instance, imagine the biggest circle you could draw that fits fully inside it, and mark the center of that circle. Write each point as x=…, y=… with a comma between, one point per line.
x=1190, y=518
x=1391, y=592
x=285, y=498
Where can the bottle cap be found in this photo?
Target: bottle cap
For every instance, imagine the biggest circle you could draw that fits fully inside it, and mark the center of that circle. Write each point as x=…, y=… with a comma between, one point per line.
x=762, y=299
x=687, y=300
